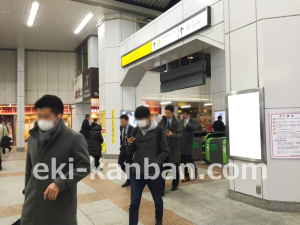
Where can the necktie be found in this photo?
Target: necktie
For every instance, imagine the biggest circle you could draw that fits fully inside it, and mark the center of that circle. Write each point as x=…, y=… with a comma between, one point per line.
x=168, y=126
x=124, y=128
x=184, y=122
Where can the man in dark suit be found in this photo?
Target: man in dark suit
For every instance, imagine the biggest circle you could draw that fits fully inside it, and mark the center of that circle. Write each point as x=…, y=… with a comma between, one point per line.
x=125, y=129
x=86, y=127
x=173, y=130
x=189, y=126
x=94, y=123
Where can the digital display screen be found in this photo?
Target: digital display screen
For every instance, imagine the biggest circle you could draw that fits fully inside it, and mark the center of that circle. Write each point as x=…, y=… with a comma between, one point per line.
x=130, y=114
x=221, y=113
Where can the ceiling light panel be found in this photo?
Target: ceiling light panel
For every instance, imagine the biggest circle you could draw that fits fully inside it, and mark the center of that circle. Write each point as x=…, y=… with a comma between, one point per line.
x=83, y=23
x=33, y=11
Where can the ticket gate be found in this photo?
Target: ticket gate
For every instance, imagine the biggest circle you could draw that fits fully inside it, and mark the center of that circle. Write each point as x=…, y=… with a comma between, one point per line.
x=214, y=148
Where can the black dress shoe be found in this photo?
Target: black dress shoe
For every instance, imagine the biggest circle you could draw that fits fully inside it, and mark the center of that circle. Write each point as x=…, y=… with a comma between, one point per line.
x=158, y=222
x=174, y=188
x=126, y=184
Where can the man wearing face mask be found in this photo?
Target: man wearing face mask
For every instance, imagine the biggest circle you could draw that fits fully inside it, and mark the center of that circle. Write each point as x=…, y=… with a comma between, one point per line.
x=148, y=141
x=57, y=159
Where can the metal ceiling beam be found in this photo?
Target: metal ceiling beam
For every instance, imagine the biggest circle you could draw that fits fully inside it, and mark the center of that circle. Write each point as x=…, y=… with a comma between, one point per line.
x=123, y=7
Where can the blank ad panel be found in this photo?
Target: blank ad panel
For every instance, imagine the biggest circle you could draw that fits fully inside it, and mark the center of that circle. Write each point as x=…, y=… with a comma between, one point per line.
x=244, y=125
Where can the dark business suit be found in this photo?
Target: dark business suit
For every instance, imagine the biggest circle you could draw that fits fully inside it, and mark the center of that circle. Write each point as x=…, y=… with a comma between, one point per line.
x=86, y=129
x=124, y=156
x=187, y=143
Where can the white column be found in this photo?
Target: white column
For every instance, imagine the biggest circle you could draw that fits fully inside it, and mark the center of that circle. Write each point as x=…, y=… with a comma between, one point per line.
x=21, y=100
x=254, y=60
x=80, y=110
x=112, y=96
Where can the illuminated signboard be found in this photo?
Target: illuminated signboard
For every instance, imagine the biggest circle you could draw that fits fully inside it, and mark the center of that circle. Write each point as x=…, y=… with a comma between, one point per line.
x=194, y=23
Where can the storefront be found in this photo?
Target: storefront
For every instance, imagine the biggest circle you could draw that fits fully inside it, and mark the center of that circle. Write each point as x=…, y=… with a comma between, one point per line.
x=9, y=114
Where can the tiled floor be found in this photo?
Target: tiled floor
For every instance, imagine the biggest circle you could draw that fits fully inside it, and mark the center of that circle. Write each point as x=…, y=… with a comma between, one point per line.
x=103, y=201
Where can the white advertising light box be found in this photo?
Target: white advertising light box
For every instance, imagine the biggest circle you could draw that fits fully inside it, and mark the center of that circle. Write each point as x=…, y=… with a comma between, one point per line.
x=245, y=125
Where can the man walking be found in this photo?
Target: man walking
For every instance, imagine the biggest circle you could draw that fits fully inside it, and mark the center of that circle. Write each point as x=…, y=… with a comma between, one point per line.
x=149, y=145
x=3, y=133
x=189, y=126
x=173, y=130
x=57, y=159
x=86, y=127
x=124, y=157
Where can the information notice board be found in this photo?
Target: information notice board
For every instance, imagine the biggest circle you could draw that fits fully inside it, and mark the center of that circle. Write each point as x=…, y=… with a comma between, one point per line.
x=285, y=135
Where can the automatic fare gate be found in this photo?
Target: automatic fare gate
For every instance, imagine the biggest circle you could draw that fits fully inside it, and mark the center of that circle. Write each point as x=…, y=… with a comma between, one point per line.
x=214, y=148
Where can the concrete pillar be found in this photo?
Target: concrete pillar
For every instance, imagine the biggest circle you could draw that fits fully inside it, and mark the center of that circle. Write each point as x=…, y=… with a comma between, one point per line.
x=80, y=110
x=112, y=96
x=255, y=60
x=21, y=99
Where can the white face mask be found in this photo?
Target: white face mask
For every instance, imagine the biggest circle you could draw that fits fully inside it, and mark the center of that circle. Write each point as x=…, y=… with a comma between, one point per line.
x=141, y=123
x=46, y=125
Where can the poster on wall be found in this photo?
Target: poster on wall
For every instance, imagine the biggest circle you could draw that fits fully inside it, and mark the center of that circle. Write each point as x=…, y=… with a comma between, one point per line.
x=78, y=88
x=130, y=114
x=285, y=135
x=205, y=122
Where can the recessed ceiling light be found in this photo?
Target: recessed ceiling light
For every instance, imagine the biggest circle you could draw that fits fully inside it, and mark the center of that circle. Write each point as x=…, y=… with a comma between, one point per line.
x=207, y=104
x=165, y=103
x=83, y=23
x=5, y=12
x=33, y=11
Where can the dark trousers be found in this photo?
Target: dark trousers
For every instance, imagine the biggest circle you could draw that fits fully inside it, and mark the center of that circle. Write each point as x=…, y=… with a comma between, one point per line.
x=0, y=163
x=137, y=187
x=97, y=161
x=175, y=181
x=187, y=159
x=124, y=158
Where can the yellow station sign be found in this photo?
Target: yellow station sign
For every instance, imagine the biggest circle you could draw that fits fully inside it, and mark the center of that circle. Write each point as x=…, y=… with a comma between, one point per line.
x=137, y=54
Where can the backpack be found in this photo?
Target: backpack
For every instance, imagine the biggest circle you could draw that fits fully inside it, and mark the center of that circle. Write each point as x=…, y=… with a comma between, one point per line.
x=5, y=141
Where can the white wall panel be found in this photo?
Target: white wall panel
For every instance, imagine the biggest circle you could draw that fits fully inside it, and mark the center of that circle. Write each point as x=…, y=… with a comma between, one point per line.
x=71, y=97
x=217, y=13
x=227, y=63
x=112, y=35
x=127, y=46
x=247, y=186
x=217, y=101
x=31, y=96
x=52, y=71
x=280, y=66
x=127, y=29
x=42, y=66
x=242, y=12
x=31, y=71
x=64, y=96
x=2, y=73
x=282, y=172
x=243, y=58
x=215, y=33
x=11, y=96
x=127, y=98
x=216, y=80
x=11, y=70
x=53, y=93
x=173, y=17
x=226, y=15
x=41, y=94
x=63, y=71
x=72, y=71
x=277, y=8
x=144, y=35
x=111, y=56
x=102, y=61
x=2, y=96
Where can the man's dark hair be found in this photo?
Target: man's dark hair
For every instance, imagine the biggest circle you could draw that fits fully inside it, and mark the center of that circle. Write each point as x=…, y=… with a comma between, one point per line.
x=220, y=117
x=95, y=120
x=87, y=115
x=50, y=101
x=141, y=112
x=187, y=111
x=170, y=108
x=125, y=117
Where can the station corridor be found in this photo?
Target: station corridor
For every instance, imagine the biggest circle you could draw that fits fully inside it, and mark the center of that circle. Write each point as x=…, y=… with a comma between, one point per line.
x=105, y=202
